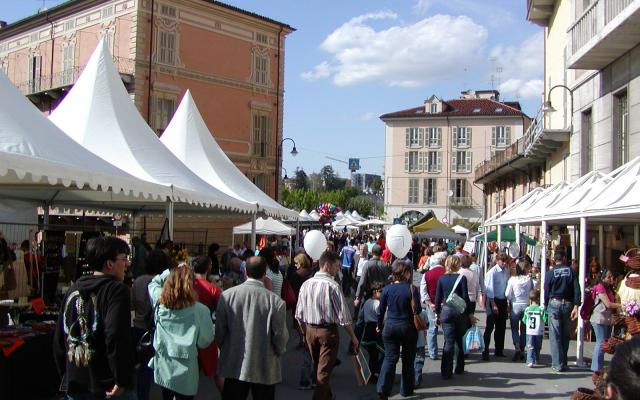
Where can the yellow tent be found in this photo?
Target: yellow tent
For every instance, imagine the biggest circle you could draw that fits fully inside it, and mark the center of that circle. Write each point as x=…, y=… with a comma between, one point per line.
x=429, y=221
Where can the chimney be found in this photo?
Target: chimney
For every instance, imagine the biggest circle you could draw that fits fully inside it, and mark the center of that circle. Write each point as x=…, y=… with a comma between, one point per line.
x=3, y=24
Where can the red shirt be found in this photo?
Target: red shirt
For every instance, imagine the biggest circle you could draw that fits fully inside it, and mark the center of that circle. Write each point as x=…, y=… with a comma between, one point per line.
x=431, y=277
x=208, y=293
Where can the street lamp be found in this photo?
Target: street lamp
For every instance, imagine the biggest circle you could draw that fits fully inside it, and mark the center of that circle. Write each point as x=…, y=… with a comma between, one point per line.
x=285, y=173
x=548, y=108
x=294, y=152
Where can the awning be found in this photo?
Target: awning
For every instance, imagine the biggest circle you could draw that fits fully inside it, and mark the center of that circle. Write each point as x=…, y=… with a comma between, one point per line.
x=507, y=234
x=429, y=221
x=264, y=226
x=438, y=233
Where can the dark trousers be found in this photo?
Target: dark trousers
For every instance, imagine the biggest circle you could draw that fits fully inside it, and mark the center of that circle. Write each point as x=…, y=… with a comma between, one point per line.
x=171, y=395
x=453, y=333
x=235, y=389
x=394, y=336
x=497, y=321
x=323, y=345
x=346, y=281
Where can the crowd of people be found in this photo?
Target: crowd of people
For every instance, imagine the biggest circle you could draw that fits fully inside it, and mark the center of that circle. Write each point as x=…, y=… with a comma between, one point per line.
x=249, y=296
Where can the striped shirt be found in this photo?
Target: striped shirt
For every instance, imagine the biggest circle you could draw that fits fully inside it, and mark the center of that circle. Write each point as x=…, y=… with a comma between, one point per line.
x=321, y=302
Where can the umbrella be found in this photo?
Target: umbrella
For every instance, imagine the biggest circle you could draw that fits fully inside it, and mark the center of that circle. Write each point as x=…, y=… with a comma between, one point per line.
x=508, y=234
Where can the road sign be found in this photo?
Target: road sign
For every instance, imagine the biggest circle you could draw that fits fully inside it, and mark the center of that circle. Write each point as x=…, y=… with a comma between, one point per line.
x=354, y=164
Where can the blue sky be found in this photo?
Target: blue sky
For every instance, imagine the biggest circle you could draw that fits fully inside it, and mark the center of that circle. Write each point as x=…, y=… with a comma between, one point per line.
x=350, y=61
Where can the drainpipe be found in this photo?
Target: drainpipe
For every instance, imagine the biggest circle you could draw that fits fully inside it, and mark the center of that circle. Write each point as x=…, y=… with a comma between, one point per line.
x=46, y=16
x=278, y=140
x=150, y=63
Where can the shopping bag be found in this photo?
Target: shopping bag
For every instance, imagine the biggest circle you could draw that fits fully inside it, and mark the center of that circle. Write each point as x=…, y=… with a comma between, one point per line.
x=473, y=340
x=288, y=295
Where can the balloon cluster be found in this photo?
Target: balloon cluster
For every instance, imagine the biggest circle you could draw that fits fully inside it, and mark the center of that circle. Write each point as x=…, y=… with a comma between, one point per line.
x=327, y=212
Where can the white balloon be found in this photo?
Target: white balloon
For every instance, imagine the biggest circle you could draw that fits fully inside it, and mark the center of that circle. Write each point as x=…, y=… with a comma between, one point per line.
x=399, y=240
x=315, y=244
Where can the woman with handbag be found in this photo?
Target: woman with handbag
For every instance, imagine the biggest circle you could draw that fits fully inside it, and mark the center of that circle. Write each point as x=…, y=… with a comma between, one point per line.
x=603, y=306
x=453, y=313
x=400, y=304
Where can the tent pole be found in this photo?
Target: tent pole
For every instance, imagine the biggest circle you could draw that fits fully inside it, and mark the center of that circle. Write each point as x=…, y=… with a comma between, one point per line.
x=499, y=237
x=518, y=237
x=581, y=277
x=253, y=232
x=45, y=217
x=169, y=216
x=636, y=235
x=601, y=244
x=543, y=261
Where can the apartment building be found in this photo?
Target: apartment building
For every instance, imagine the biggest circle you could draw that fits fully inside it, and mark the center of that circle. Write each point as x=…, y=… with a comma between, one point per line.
x=232, y=60
x=588, y=118
x=431, y=151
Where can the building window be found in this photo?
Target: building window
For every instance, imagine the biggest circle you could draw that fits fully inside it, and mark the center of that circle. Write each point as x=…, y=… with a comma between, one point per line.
x=433, y=162
x=429, y=192
x=107, y=12
x=622, y=127
x=460, y=196
x=501, y=136
x=413, y=190
x=434, y=137
x=413, y=161
x=167, y=47
x=35, y=62
x=262, y=182
x=414, y=137
x=434, y=108
x=262, y=144
x=261, y=38
x=260, y=69
x=67, y=63
x=164, y=109
x=461, y=161
x=461, y=136
x=588, y=139
x=69, y=25
x=167, y=11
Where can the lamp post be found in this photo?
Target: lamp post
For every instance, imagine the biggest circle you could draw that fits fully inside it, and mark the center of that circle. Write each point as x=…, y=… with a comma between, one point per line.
x=294, y=152
x=548, y=108
x=285, y=177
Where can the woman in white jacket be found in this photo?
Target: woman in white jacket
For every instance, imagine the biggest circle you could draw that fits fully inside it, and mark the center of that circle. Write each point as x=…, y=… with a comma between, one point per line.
x=517, y=293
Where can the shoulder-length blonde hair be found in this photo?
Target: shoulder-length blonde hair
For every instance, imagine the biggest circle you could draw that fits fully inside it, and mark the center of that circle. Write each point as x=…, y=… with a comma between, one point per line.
x=452, y=264
x=302, y=260
x=177, y=290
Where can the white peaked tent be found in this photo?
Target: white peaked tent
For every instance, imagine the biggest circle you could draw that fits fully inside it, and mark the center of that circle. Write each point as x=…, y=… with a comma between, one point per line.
x=40, y=163
x=357, y=216
x=264, y=226
x=461, y=230
x=304, y=216
x=99, y=114
x=188, y=138
x=314, y=215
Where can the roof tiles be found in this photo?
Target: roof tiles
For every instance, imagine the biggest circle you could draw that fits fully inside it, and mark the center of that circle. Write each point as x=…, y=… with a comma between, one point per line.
x=462, y=108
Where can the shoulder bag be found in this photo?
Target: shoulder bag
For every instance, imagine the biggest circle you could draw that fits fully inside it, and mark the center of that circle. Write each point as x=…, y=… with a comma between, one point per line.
x=454, y=306
x=418, y=322
x=144, y=347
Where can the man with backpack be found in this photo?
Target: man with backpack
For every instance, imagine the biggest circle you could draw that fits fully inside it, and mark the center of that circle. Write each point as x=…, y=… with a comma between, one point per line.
x=375, y=270
x=92, y=341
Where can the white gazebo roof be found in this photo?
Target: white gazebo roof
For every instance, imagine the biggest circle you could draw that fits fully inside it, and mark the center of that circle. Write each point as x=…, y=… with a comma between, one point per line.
x=264, y=226
x=98, y=113
x=304, y=216
x=357, y=216
x=314, y=215
x=188, y=138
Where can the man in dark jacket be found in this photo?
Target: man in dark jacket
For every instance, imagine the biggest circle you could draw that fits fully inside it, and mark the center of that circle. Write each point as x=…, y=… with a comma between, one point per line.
x=92, y=342
x=375, y=270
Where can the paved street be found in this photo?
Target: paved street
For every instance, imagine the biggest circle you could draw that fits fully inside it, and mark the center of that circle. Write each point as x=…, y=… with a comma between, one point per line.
x=501, y=379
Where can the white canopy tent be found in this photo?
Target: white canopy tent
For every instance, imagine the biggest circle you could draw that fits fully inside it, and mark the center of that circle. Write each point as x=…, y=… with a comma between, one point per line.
x=39, y=163
x=188, y=138
x=594, y=198
x=461, y=230
x=370, y=222
x=357, y=216
x=346, y=220
x=264, y=226
x=314, y=215
x=99, y=114
x=304, y=216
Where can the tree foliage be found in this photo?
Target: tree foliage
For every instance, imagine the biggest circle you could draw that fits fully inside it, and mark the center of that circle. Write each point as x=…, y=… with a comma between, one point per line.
x=362, y=204
x=301, y=179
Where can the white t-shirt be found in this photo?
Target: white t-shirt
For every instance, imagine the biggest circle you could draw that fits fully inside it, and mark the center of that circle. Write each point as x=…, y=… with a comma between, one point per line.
x=518, y=288
x=361, y=262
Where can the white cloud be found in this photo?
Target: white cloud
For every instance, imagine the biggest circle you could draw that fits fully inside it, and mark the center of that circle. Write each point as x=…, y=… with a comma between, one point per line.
x=432, y=49
x=322, y=70
x=368, y=116
x=422, y=6
x=522, y=67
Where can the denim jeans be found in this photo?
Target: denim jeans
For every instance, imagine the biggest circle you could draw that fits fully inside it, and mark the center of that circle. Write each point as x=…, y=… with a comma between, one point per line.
x=453, y=333
x=432, y=334
x=127, y=395
x=418, y=365
x=534, y=344
x=394, y=336
x=602, y=332
x=518, y=328
x=559, y=332
x=346, y=281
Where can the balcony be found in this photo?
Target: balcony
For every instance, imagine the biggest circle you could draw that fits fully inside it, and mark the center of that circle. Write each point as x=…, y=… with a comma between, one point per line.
x=540, y=142
x=605, y=31
x=539, y=11
x=53, y=85
x=460, y=202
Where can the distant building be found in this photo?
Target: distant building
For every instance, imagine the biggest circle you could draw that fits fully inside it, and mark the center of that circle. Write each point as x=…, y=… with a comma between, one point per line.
x=363, y=181
x=230, y=59
x=431, y=152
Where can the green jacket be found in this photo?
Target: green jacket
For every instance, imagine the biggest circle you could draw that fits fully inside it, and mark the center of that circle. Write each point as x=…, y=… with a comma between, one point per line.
x=178, y=335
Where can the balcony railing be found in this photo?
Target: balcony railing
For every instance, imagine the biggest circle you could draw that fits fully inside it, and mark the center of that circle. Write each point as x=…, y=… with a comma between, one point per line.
x=125, y=66
x=595, y=22
x=534, y=132
x=500, y=158
x=461, y=202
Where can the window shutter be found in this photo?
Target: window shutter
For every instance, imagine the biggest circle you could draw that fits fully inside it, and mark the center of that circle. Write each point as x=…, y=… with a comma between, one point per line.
x=421, y=161
x=455, y=136
x=420, y=137
x=438, y=162
x=256, y=135
x=468, y=137
x=408, y=137
x=468, y=160
x=507, y=132
x=493, y=136
x=439, y=137
x=453, y=161
x=406, y=161
x=267, y=140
